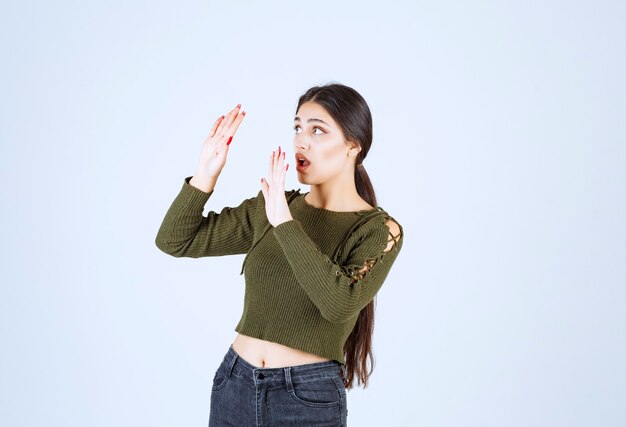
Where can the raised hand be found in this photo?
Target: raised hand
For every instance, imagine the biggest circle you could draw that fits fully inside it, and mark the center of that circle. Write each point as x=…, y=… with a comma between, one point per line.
x=276, y=206
x=215, y=146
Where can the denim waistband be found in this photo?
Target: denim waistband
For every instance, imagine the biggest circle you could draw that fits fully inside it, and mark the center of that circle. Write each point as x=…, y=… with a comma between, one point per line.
x=235, y=363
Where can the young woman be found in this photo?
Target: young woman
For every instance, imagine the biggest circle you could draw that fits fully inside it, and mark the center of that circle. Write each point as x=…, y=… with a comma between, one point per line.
x=314, y=263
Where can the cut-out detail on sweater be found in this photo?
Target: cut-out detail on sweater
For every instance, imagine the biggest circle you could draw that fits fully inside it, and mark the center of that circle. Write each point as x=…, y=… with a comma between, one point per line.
x=396, y=234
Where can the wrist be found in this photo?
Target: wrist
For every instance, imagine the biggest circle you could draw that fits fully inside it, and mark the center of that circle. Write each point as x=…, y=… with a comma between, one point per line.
x=203, y=182
x=283, y=220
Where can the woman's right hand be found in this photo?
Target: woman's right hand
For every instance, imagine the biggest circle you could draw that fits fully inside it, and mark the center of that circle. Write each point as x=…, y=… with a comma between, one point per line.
x=215, y=146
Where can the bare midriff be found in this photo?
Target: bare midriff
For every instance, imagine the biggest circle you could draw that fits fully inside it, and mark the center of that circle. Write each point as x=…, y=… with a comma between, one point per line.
x=266, y=354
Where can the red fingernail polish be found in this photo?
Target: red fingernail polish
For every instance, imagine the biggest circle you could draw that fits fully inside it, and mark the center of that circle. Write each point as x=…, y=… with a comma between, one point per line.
x=287, y=168
x=243, y=113
x=229, y=139
x=279, y=150
x=238, y=105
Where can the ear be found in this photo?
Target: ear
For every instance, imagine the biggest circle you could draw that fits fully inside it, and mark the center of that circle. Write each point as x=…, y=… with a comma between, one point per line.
x=355, y=148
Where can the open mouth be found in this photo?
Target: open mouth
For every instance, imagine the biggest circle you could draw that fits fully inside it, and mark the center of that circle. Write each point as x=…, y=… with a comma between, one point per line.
x=302, y=162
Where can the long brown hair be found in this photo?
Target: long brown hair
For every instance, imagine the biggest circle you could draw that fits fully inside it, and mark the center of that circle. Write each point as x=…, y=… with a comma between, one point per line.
x=349, y=109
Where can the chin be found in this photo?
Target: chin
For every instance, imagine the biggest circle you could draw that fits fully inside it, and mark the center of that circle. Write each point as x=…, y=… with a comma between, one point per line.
x=307, y=180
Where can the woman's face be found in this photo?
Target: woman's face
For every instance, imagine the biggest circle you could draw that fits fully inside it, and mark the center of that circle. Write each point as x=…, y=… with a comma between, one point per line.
x=320, y=139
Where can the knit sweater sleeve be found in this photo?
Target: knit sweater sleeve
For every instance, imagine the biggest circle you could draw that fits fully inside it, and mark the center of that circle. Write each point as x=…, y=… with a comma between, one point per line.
x=185, y=232
x=341, y=291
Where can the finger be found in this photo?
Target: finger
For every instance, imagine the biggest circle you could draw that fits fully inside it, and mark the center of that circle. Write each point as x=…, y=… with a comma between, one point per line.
x=270, y=169
x=220, y=128
x=232, y=129
x=279, y=165
x=264, y=188
x=275, y=166
x=224, y=125
x=234, y=113
x=283, y=173
x=215, y=125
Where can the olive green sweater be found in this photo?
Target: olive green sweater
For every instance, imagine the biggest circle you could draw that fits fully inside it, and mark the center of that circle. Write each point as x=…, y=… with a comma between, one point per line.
x=306, y=280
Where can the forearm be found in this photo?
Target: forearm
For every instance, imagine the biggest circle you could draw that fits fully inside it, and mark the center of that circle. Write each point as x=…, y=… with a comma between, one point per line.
x=185, y=232
x=182, y=221
x=333, y=288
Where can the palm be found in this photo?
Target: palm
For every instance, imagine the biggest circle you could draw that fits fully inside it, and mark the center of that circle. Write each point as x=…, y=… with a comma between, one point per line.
x=214, y=151
x=273, y=189
x=215, y=146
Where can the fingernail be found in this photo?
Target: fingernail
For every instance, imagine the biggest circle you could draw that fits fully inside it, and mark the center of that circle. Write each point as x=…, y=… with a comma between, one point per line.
x=287, y=168
x=238, y=105
x=279, y=150
x=243, y=113
x=229, y=139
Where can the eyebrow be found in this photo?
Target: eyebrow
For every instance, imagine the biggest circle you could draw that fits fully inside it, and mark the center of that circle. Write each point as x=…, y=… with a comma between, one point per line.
x=313, y=120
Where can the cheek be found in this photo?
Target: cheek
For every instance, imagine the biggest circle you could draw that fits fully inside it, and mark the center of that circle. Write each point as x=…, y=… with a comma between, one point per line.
x=332, y=154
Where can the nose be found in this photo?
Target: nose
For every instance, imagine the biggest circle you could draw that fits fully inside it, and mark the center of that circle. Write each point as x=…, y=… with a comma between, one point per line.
x=299, y=143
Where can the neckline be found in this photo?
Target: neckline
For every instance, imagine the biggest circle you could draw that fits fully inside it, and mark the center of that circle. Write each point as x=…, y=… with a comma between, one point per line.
x=328, y=211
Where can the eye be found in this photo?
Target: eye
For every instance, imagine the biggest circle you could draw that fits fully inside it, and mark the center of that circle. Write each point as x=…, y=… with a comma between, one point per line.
x=296, y=127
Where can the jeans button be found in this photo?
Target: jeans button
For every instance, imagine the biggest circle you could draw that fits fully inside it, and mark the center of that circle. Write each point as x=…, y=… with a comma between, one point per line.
x=261, y=376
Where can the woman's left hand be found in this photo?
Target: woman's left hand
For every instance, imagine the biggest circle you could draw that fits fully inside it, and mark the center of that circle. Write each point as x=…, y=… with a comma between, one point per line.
x=276, y=206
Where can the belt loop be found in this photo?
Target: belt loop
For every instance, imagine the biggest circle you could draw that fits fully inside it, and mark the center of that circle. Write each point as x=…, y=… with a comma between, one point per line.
x=288, y=382
x=230, y=365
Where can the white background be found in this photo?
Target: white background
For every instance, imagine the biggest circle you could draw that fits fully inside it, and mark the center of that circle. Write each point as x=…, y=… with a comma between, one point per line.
x=499, y=144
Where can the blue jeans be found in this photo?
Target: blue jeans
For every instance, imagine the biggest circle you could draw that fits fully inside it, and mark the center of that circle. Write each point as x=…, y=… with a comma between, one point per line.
x=243, y=395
